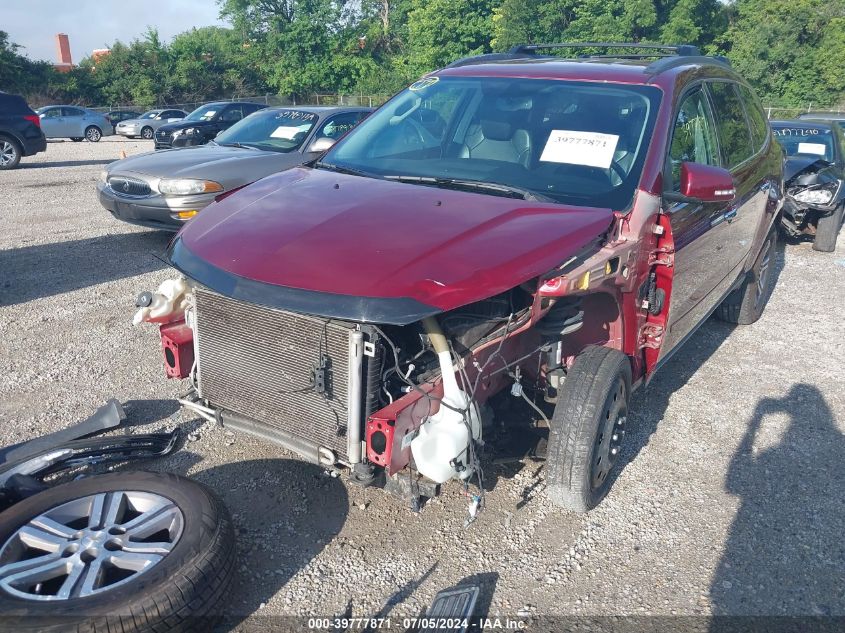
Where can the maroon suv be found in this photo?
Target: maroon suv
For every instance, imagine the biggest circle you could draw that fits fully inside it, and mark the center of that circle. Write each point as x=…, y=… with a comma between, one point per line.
x=554, y=228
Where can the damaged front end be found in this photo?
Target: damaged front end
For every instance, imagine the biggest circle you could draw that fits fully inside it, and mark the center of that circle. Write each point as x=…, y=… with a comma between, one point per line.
x=813, y=190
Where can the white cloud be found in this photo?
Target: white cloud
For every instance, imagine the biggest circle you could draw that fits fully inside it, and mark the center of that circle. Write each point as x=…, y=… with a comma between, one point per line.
x=94, y=24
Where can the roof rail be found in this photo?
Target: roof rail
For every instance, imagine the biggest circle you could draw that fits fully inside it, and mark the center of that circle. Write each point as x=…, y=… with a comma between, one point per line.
x=488, y=57
x=673, y=49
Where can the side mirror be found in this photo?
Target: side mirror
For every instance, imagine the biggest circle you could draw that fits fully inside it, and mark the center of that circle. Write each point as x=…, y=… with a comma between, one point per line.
x=703, y=183
x=321, y=144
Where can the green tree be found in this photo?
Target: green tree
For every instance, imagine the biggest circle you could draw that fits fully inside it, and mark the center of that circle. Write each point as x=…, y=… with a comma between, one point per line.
x=790, y=50
x=673, y=21
x=441, y=31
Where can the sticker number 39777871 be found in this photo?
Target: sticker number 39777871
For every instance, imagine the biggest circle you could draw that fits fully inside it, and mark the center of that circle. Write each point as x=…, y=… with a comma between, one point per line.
x=592, y=149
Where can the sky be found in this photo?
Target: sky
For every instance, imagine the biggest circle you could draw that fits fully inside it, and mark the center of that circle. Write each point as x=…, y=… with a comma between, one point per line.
x=94, y=24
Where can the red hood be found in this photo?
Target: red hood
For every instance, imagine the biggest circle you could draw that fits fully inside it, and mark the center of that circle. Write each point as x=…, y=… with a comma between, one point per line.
x=322, y=231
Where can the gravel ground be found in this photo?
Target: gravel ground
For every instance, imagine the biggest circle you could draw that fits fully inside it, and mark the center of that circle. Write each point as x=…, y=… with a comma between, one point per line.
x=731, y=500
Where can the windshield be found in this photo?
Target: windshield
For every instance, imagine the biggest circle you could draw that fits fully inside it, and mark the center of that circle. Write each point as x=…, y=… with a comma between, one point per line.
x=569, y=142
x=274, y=130
x=150, y=115
x=798, y=140
x=204, y=113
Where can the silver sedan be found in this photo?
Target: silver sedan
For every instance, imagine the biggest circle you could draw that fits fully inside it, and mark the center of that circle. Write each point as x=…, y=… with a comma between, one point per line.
x=167, y=188
x=146, y=124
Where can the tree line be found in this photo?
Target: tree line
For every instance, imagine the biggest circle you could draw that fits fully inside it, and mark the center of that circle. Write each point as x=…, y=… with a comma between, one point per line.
x=792, y=51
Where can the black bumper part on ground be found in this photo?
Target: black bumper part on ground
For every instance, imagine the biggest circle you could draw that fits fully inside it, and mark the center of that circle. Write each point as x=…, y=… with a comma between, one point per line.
x=24, y=466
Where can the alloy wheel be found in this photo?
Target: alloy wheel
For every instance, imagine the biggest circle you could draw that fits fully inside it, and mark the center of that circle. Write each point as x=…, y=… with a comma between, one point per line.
x=93, y=134
x=147, y=133
x=89, y=545
x=8, y=153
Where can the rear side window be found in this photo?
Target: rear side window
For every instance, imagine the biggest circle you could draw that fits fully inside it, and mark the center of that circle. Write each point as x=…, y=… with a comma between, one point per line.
x=734, y=135
x=13, y=104
x=72, y=112
x=756, y=117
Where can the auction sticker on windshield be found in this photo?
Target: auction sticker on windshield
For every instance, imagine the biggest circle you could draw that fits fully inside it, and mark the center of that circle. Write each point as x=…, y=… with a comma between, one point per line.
x=285, y=131
x=591, y=149
x=812, y=148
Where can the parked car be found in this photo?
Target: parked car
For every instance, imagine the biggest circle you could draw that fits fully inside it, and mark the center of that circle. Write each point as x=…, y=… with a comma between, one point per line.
x=515, y=223
x=73, y=122
x=146, y=124
x=116, y=116
x=814, y=173
x=20, y=131
x=165, y=189
x=203, y=124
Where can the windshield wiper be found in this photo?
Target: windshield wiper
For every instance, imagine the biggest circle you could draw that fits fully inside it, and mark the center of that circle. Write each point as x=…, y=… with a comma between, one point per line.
x=239, y=145
x=495, y=188
x=343, y=170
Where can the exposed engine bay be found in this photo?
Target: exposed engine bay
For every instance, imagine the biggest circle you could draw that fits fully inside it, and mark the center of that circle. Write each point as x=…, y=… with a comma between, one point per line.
x=372, y=398
x=813, y=190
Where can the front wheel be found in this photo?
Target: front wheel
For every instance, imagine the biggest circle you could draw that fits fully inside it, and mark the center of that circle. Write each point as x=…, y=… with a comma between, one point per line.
x=745, y=305
x=587, y=428
x=827, y=230
x=93, y=134
x=147, y=133
x=129, y=551
x=76, y=139
x=10, y=153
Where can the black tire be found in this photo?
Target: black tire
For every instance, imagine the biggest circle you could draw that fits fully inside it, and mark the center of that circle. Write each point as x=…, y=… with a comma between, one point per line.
x=93, y=133
x=587, y=429
x=147, y=133
x=10, y=152
x=183, y=591
x=77, y=139
x=827, y=230
x=745, y=305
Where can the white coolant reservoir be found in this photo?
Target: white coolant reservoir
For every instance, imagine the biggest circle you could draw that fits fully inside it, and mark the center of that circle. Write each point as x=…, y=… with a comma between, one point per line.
x=170, y=299
x=442, y=442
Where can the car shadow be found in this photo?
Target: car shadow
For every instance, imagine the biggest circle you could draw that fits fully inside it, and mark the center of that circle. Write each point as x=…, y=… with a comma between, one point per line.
x=649, y=403
x=44, y=270
x=67, y=163
x=785, y=555
x=279, y=530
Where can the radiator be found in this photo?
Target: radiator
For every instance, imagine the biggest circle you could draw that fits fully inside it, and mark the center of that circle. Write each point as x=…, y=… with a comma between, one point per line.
x=260, y=363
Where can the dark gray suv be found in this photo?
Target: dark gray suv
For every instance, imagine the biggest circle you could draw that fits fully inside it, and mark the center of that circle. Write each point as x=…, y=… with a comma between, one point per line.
x=20, y=131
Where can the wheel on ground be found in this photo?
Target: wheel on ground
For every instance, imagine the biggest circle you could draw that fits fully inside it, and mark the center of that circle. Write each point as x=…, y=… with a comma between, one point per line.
x=76, y=139
x=147, y=133
x=10, y=153
x=587, y=428
x=827, y=230
x=745, y=305
x=93, y=134
x=128, y=551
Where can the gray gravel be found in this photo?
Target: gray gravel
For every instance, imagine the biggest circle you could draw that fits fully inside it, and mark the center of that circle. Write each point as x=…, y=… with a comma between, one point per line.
x=732, y=499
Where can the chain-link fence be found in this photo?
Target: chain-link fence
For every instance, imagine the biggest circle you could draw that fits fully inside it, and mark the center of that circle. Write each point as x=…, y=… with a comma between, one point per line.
x=791, y=112
x=267, y=99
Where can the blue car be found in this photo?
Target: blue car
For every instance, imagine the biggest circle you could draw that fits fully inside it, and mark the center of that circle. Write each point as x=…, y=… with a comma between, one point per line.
x=74, y=123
